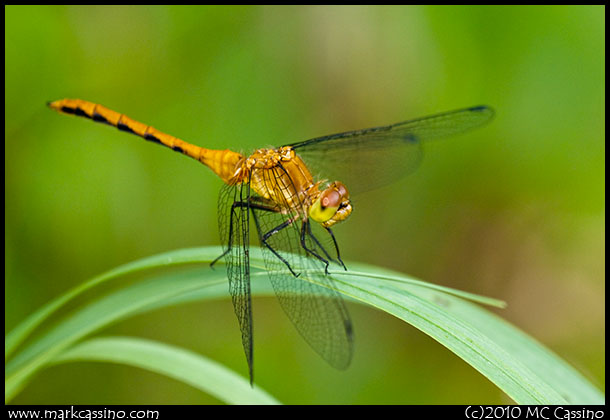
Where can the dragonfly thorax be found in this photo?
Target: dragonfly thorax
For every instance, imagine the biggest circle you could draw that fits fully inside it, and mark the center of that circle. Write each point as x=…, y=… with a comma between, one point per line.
x=281, y=177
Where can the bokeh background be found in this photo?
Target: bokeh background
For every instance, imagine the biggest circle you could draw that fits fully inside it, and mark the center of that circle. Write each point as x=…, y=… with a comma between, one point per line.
x=515, y=210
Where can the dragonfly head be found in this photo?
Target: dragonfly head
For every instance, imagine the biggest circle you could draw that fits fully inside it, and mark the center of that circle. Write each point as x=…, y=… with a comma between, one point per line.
x=331, y=206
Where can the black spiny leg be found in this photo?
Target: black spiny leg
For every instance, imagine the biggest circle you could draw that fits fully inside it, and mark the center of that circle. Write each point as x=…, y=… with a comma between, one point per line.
x=306, y=229
x=338, y=260
x=273, y=232
x=336, y=247
x=235, y=205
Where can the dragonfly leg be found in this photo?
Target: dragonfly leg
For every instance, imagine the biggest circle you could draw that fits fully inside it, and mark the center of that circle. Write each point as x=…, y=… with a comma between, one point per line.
x=338, y=260
x=235, y=205
x=253, y=205
x=273, y=232
x=306, y=230
x=219, y=257
x=336, y=247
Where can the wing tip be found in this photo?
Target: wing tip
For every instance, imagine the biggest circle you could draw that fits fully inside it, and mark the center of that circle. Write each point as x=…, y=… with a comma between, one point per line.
x=483, y=109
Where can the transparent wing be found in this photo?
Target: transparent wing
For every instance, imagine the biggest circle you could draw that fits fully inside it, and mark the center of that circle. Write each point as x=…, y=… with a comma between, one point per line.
x=373, y=157
x=233, y=223
x=316, y=310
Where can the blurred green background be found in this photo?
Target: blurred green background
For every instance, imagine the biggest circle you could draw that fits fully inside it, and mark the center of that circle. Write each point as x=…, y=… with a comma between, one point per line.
x=515, y=210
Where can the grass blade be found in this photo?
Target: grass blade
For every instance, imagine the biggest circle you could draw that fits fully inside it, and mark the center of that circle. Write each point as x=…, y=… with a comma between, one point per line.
x=25, y=328
x=515, y=362
x=171, y=361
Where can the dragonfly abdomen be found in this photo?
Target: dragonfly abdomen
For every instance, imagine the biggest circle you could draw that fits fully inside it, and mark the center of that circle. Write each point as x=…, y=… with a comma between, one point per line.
x=222, y=162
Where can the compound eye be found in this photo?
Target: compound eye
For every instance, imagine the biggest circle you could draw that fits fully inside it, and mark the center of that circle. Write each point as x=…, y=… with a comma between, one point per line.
x=325, y=207
x=341, y=189
x=330, y=198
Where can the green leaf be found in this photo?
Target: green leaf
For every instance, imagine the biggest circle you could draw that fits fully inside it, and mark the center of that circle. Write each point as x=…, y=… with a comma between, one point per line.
x=177, y=363
x=515, y=362
x=23, y=330
x=519, y=365
x=101, y=312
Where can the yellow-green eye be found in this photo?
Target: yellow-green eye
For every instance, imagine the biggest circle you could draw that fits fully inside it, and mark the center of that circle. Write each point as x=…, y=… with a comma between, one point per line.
x=325, y=207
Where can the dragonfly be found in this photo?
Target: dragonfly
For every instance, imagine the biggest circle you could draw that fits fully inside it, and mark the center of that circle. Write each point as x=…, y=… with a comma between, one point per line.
x=294, y=197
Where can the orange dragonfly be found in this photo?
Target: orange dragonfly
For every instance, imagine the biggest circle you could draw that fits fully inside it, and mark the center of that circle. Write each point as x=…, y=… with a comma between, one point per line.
x=278, y=189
